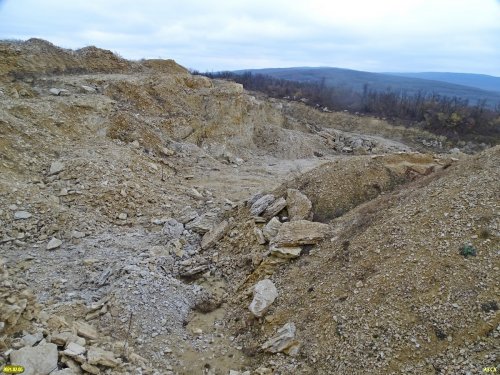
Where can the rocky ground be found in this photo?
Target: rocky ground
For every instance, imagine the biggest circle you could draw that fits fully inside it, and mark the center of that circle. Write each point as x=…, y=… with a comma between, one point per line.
x=155, y=222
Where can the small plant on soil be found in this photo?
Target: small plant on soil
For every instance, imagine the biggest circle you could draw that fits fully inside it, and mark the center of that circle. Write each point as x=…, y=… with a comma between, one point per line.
x=467, y=251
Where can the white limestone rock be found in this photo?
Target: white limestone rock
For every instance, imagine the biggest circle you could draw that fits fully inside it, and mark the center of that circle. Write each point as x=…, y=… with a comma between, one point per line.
x=54, y=243
x=264, y=295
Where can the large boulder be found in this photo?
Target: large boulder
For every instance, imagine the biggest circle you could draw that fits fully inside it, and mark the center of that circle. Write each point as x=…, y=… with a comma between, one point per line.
x=300, y=232
x=299, y=206
x=264, y=295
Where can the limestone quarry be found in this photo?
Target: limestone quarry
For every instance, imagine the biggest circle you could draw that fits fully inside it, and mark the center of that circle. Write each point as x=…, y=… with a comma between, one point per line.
x=158, y=222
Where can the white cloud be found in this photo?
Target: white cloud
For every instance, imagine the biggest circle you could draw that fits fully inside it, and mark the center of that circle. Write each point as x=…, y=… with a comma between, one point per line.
x=459, y=35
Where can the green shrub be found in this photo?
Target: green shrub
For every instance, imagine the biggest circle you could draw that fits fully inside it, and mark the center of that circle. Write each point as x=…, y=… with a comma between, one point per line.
x=468, y=250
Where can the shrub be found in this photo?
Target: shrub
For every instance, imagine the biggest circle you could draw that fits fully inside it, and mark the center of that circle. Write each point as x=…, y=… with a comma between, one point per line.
x=468, y=250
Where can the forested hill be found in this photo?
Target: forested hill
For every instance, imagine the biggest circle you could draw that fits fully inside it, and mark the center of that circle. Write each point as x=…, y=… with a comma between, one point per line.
x=479, y=81
x=357, y=80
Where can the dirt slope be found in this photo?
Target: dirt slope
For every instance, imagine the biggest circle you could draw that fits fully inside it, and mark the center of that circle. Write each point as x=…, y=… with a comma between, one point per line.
x=389, y=289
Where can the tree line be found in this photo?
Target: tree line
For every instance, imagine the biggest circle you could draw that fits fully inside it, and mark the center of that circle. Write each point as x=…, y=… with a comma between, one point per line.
x=453, y=117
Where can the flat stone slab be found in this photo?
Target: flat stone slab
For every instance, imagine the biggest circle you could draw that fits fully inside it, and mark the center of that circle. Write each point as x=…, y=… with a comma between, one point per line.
x=21, y=215
x=261, y=204
x=286, y=252
x=38, y=360
x=98, y=356
x=300, y=232
x=274, y=208
x=54, y=243
x=211, y=238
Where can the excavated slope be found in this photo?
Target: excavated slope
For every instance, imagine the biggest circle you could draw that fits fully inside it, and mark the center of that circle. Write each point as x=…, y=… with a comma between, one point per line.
x=389, y=287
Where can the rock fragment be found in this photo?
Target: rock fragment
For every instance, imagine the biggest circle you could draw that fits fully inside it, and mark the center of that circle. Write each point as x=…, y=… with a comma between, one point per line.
x=298, y=205
x=173, y=229
x=286, y=252
x=261, y=204
x=58, y=92
x=210, y=238
x=259, y=236
x=284, y=341
x=88, y=89
x=195, y=194
x=203, y=223
x=67, y=337
x=30, y=340
x=54, y=243
x=75, y=351
x=264, y=295
x=193, y=272
x=98, y=356
x=271, y=228
x=300, y=232
x=253, y=199
x=167, y=152
x=275, y=208
x=21, y=215
x=85, y=330
x=56, y=167
x=187, y=214
x=91, y=369
x=76, y=234
x=38, y=360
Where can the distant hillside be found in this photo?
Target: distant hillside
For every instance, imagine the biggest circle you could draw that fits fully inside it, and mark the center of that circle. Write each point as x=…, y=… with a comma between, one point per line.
x=480, y=81
x=380, y=82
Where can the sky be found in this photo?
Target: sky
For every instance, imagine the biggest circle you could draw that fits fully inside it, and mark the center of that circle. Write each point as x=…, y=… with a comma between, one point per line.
x=377, y=36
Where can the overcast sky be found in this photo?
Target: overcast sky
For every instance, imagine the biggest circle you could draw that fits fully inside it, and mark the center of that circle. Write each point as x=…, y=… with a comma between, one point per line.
x=384, y=35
